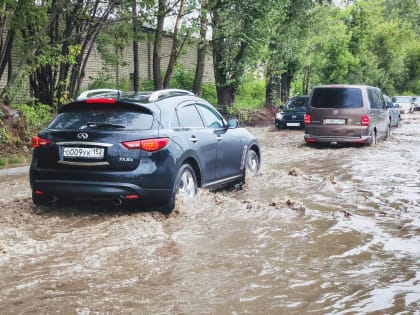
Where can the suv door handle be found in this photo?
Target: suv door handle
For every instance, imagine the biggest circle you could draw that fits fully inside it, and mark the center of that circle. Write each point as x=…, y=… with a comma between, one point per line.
x=193, y=139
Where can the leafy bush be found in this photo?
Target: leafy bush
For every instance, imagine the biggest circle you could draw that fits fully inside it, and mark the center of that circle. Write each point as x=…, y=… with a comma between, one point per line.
x=5, y=136
x=36, y=116
x=251, y=94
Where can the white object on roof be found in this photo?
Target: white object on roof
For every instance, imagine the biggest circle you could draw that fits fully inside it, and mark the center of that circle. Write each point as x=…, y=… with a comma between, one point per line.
x=91, y=93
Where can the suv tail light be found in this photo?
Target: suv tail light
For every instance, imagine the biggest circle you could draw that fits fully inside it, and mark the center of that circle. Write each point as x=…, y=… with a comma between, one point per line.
x=149, y=145
x=365, y=120
x=307, y=119
x=39, y=142
x=101, y=100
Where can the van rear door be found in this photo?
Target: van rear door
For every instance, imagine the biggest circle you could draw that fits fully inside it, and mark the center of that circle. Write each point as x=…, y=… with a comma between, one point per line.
x=337, y=111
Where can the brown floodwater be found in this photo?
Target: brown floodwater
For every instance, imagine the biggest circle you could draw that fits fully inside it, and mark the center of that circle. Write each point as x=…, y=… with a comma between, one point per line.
x=317, y=231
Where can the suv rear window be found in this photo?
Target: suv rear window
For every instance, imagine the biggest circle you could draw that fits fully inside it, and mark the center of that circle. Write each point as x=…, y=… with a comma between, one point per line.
x=102, y=118
x=326, y=97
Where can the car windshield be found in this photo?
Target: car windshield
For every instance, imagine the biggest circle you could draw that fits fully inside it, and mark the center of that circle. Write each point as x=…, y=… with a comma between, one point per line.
x=296, y=104
x=102, y=119
x=341, y=97
x=401, y=99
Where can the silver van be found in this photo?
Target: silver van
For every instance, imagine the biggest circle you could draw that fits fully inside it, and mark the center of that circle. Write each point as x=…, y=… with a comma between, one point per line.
x=354, y=114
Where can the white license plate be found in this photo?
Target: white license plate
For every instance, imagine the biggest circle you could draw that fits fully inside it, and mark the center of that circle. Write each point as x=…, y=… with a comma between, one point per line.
x=293, y=124
x=335, y=121
x=87, y=153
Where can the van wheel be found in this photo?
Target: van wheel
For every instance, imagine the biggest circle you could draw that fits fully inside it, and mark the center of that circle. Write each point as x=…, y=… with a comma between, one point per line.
x=388, y=131
x=184, y=189
x=374, y=140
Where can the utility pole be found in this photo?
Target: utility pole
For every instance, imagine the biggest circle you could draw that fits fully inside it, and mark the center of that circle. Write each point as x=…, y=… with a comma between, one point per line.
x=135, y=49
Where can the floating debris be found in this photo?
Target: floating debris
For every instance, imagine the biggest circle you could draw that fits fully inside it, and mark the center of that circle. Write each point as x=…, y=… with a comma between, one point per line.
x=295, y=172
x=2, y=247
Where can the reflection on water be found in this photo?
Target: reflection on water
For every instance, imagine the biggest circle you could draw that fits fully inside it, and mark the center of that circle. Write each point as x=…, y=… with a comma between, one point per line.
x=338, y=235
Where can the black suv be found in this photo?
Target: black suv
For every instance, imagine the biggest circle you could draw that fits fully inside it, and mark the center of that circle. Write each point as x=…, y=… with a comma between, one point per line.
x=145, y=148
x=292, y=114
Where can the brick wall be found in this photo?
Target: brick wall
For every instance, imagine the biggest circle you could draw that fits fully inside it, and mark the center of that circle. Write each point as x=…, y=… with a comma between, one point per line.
x=95, y=65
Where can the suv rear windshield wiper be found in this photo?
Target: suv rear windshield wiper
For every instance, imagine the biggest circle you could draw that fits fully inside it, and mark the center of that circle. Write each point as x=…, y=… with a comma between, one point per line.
x=102, y=125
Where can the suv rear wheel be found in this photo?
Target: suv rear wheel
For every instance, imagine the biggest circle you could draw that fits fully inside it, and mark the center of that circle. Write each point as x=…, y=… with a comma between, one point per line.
x=185, y=188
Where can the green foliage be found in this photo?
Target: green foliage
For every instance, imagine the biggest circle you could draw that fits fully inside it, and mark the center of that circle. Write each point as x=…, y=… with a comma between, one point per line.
x=36, y=116
x=251, y=94
x=182, y=78
x=208, y=92
x=146, y=85
x=5, y=136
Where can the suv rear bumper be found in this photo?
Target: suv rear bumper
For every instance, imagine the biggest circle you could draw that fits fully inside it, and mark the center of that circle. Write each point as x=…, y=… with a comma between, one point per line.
x=100, y=190
x=333, y=140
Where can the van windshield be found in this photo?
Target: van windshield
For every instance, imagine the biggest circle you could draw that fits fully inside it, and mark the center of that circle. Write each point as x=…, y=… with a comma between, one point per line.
x=342, y=97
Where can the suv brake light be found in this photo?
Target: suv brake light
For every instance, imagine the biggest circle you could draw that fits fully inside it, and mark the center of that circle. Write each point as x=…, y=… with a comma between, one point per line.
x=101, y=100
x=39, y=142
x=365, y=120
x=149, y=145
x=307, y=119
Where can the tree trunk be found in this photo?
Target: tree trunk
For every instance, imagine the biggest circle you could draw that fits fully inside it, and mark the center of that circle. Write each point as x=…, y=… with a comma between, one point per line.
x=174, y=50
x=201, y=50
x=225, y=86
x=306, y=79
x=157, y=49
x=225, y=97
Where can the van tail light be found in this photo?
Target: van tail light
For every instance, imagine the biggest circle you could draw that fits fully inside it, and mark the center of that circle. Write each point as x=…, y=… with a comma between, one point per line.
x=39, y=142
x=307, y=119
x=365, y=120
x=149, y=145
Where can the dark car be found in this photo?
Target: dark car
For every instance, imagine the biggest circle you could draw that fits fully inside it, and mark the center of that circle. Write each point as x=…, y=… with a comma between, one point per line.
x=292, y=114
x=144, y=148
x=352, y=114
x=416, y=102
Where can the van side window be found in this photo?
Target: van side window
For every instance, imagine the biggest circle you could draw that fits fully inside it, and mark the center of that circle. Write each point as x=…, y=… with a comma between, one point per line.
x=374, y=99
x=382, y=102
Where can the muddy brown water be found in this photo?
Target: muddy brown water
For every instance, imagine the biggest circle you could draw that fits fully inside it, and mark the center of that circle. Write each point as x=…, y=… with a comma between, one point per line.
x=318, y=231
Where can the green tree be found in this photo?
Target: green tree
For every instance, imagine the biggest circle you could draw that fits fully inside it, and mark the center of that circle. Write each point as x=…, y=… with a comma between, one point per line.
x=62, y=52
x=238, y=33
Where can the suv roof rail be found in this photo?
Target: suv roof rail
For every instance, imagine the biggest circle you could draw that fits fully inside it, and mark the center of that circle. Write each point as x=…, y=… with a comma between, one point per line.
x=96, y=92
x=167, y=92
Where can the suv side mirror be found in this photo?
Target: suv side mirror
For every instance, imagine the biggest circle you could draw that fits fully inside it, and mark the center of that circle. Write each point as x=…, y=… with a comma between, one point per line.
x=232, y=122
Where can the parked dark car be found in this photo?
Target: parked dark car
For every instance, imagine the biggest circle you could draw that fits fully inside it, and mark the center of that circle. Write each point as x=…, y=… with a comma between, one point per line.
x=393, y=111
x=144, y=148
x=416, y=102
x=354, y=114
x=292, y=114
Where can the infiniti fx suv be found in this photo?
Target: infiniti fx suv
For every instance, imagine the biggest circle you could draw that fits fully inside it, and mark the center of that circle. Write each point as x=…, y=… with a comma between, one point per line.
x=144, y=148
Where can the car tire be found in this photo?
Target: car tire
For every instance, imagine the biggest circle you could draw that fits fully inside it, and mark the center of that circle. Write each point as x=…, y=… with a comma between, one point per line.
x=184, y=189
x=388, y=131
x=252, y=163
x=373, y=139
x=40, y=200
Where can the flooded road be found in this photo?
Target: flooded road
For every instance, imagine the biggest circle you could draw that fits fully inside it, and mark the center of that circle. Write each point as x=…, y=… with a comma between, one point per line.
x=318, y=231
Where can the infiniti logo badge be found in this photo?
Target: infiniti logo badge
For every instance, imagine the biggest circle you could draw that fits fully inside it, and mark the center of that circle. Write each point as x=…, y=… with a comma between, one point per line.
x=82, y=136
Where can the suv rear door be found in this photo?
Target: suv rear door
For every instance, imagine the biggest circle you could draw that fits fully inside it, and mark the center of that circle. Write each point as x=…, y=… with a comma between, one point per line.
x=93, y=135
